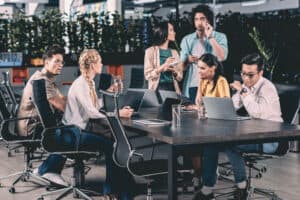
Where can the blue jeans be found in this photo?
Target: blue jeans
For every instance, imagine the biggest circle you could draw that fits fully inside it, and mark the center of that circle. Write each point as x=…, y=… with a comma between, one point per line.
x=234, y=154
x=118, y=180
x=193, y=93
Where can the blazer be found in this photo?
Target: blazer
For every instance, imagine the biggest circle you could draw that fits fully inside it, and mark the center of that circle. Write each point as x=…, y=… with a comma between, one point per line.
x=151, y=64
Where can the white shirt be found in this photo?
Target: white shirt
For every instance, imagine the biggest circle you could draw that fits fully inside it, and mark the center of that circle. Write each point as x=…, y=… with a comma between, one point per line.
x=79, y=108
x=261, y=102
x=198, y=50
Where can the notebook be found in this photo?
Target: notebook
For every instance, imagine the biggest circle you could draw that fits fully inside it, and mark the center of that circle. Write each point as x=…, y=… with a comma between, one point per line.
x=221, y=108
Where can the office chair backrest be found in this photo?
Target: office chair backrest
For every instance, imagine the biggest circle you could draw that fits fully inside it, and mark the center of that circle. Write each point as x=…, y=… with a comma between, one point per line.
x=41, y=102
x=290, y=104
x=9, y=99
x=5, y=114
x=137, y=78
x=122, y=147
x=105, y=81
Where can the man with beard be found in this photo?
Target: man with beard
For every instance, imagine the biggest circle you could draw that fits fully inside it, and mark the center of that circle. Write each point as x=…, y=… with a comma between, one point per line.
x=204, y=40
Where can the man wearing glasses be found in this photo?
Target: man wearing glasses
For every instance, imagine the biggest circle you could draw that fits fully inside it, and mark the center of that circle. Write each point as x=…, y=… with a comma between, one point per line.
x=260, y=99
x=53, y=64
x=204, y=40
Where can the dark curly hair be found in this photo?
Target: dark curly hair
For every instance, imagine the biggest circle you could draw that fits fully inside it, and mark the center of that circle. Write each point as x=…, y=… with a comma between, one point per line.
x=206, y=10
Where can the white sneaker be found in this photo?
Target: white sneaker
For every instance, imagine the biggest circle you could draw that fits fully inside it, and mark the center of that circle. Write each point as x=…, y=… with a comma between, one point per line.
x=36, y=172
x=56, y=179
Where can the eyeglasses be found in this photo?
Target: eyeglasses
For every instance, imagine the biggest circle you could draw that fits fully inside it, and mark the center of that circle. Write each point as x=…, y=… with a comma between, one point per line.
x=59, y=62
x=249, y=75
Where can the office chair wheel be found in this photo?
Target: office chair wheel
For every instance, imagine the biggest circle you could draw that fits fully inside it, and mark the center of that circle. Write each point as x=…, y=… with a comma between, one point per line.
x=9, y=154
x=12, y=190
x=263, y=169
x=40, y=198
x=48, y=188
x=258, y=176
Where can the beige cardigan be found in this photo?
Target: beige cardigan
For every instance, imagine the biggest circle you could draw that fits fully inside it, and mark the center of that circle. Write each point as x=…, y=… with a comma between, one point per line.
x=152, y=62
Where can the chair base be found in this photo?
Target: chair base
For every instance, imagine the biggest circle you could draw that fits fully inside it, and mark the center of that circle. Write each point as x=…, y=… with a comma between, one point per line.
x=262, y=192
x=82, y=193
x=23, y=176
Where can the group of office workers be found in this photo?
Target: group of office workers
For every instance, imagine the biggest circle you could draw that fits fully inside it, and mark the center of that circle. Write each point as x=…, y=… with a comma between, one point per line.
x=201, y=55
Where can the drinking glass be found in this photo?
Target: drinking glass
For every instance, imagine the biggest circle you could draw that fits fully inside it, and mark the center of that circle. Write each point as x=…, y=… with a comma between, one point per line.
x=118, y=84
x=176, y=115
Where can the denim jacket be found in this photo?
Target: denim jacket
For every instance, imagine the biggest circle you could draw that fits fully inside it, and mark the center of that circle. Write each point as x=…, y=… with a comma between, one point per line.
x=187, y=45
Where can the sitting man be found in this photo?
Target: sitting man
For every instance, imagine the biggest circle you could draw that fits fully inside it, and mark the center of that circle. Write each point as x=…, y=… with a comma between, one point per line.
x=260, y=99
x=53, y=63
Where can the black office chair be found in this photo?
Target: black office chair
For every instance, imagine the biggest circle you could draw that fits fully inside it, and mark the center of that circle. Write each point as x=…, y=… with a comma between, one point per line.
x=290, y=105
x=127, y=153
x=9, y=133
x=49, y=143
x=137, y=78
x=105, y=81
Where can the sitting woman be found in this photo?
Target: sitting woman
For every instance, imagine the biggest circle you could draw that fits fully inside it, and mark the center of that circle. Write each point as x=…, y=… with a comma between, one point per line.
x=82, y=105
x=162, y=67
x=212, y=84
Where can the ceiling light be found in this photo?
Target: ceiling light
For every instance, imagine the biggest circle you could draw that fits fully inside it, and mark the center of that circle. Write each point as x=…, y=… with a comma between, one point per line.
x=253, y=3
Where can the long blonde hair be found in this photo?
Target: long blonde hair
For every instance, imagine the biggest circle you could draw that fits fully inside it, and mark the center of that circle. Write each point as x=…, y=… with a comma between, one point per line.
x=86, y=59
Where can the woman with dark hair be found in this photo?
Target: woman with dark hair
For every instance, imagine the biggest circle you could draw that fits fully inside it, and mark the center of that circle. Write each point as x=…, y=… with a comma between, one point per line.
x=162, y=67
x=212, y=84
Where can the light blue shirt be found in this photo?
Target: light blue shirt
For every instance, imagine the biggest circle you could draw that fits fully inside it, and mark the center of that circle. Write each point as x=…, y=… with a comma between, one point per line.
x=187, y=46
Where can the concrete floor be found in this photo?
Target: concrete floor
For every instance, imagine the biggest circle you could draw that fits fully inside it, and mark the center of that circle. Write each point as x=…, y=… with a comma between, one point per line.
x=283, y=175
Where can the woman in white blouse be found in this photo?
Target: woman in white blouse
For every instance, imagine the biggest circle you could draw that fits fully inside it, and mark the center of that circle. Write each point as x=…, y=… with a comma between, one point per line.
x=82, y=105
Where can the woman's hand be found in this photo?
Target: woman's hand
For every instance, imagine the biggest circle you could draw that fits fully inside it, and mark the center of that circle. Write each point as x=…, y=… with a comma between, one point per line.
x=126, y=112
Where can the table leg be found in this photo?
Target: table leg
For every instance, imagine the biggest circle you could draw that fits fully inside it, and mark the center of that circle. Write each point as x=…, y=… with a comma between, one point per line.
x=172, y=175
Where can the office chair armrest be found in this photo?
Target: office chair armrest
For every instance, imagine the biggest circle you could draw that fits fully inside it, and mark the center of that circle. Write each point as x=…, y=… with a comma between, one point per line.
x=110, y=94
x=18, y=119
x=139, y=155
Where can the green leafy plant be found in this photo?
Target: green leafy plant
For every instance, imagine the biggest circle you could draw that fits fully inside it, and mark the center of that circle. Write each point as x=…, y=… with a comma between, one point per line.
x=269, y=55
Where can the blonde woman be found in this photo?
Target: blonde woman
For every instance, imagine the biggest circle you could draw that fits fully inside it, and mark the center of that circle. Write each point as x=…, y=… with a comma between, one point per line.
x=82, y=105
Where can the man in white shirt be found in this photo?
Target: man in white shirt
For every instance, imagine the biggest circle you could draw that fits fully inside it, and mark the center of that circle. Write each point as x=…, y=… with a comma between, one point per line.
x=260, y=99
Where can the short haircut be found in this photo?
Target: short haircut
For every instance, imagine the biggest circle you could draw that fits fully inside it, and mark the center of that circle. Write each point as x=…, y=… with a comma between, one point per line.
x=253, y=59
x=160, y=33
x=52, y=50
x=206, y=10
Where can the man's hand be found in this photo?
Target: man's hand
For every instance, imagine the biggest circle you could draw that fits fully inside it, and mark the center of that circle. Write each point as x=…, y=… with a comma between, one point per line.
x=236, y=85
x=126, y=112
x=208, y=30
x=192, y=59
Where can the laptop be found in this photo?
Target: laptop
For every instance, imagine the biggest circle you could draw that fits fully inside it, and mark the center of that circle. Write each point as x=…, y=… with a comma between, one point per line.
x=149, y=100
x=133, y=99
x=221, y=108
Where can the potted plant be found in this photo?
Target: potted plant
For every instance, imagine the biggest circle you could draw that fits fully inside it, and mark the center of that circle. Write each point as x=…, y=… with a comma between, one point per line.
x=269, y=55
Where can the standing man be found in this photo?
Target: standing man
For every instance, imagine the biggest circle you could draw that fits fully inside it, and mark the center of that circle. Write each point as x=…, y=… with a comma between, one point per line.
x=260, y=99
x=53, y=64
x=203, y=40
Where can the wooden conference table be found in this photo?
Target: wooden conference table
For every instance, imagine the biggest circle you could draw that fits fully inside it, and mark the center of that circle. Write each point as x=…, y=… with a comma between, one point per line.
x=193, y=132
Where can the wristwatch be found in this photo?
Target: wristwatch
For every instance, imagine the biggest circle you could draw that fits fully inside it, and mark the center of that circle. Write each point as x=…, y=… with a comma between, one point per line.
x=243, y=90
